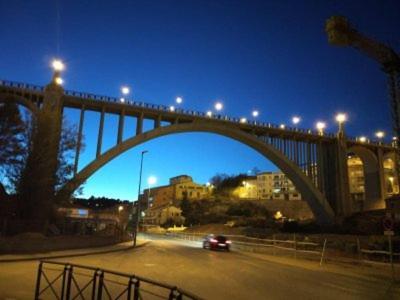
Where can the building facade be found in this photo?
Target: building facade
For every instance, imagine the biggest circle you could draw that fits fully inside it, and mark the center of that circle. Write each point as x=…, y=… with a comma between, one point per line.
x=276, y=185
x=179, y=188
x=162, y=215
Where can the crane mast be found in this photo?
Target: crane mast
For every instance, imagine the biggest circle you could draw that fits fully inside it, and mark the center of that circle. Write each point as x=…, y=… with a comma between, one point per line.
x=340, y=33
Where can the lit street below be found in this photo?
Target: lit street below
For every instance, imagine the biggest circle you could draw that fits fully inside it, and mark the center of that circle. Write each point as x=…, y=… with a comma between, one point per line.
x=217, y=274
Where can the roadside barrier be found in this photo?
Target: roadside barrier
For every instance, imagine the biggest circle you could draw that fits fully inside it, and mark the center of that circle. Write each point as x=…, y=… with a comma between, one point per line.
x=244, y=243
x=57, y=280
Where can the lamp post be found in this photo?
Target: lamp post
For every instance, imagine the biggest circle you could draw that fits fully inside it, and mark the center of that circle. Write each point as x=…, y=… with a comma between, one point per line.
x=255, y=114
x=320, y=127
x=341, y=118
x=125, y=92
x=138, y=200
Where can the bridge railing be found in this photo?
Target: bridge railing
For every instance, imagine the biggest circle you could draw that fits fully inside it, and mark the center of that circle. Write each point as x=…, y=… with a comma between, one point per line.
x=165, y=108
x=57, y=280
x=252, y=244
x=21, y=85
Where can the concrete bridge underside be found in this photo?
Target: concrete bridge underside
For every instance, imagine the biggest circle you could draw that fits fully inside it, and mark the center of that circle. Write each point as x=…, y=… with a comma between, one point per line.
x=316, y=200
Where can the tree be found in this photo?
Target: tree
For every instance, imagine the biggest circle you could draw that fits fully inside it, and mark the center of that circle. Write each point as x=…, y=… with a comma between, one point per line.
x=15, y=147
x=14, y=135
x=225, y=184
x=68, y=144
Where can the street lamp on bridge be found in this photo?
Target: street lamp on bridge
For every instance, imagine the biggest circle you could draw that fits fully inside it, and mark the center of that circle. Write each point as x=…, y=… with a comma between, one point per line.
x=179, y=100
x=125, y=92
x=296, y=120
x=341, y=118
x=380, y=135
x=320, y=127
x=218, y=106
x=57, y=66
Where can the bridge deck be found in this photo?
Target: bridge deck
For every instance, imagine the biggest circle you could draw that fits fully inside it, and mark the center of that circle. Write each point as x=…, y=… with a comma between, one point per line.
x=113, y=105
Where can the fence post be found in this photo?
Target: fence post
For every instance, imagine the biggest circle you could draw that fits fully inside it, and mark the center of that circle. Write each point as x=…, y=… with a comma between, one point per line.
x=273, y=244
x=129, y=296
x=100, y=288
x=39, y=276
x=63, y=281
x=136, y=290
x=69, y=280
x=323, y=253
x=94, y=284
x=358, y=248
x=172, y=294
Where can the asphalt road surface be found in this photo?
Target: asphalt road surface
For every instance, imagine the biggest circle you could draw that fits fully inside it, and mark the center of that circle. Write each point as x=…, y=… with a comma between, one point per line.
x=214, y=274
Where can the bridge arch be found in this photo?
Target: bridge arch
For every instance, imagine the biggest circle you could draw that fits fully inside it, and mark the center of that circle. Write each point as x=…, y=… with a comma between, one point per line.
x=390, y=174
x=372, y=182
x=6, y=98
x=316, y=200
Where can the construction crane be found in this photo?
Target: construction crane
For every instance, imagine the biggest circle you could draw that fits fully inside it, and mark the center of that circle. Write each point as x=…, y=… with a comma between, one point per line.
x=341, y=33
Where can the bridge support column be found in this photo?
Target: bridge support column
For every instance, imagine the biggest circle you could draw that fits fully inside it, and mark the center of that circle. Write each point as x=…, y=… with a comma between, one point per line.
x=157, y=122
x=139, y=124
x=38, y=179
x=342, y=179
x=375, y=185
x=100, y=134
x=121, y=127
x=79, y=142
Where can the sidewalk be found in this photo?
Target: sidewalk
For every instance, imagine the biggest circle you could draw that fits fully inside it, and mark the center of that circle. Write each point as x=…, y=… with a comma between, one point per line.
x=71, y=253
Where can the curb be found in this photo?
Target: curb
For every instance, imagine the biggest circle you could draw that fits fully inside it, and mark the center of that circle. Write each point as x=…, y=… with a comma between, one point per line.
x=71, y=255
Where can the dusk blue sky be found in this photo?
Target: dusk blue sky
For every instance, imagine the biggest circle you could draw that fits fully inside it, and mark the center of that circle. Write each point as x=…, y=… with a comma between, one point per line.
x=267, y=55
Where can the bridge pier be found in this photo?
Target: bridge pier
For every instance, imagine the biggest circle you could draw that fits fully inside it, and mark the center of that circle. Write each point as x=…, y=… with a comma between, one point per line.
x=38, y=179
x=100, y=134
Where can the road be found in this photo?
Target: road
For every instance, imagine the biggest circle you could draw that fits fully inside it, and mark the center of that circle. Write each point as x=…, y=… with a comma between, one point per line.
x=215, y=275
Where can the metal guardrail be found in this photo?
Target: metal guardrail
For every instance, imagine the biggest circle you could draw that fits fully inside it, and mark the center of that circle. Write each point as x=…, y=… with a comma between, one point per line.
x=57, y=280
x=251, y=243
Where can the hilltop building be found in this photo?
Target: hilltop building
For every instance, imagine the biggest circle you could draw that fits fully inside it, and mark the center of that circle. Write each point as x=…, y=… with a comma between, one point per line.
x=179, y=188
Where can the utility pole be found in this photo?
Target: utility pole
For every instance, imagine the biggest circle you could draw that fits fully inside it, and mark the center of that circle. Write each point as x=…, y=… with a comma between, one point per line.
x=136, y=227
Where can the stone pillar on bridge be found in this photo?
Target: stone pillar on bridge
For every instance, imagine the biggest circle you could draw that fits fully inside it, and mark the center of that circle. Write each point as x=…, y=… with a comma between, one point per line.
x=375, y=187
x=343, y=201
x=38, y=179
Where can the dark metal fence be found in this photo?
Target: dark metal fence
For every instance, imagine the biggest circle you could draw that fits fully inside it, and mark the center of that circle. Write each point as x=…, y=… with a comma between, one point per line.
x=57, y=280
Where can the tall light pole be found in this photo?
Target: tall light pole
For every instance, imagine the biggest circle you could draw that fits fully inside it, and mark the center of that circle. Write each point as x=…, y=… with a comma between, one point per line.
x=138, y=199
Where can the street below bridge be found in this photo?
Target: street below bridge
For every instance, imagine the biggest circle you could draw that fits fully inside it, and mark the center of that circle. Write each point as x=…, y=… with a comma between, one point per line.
x=219, y=275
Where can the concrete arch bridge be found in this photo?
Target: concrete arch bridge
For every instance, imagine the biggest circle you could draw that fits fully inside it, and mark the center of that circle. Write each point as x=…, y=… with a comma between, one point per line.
x=316, y=163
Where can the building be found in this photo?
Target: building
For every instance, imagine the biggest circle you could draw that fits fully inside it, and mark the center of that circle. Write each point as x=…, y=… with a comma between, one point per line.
x=179, y=188
x=163, y=215
x=185, y=188
x=276, y=185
